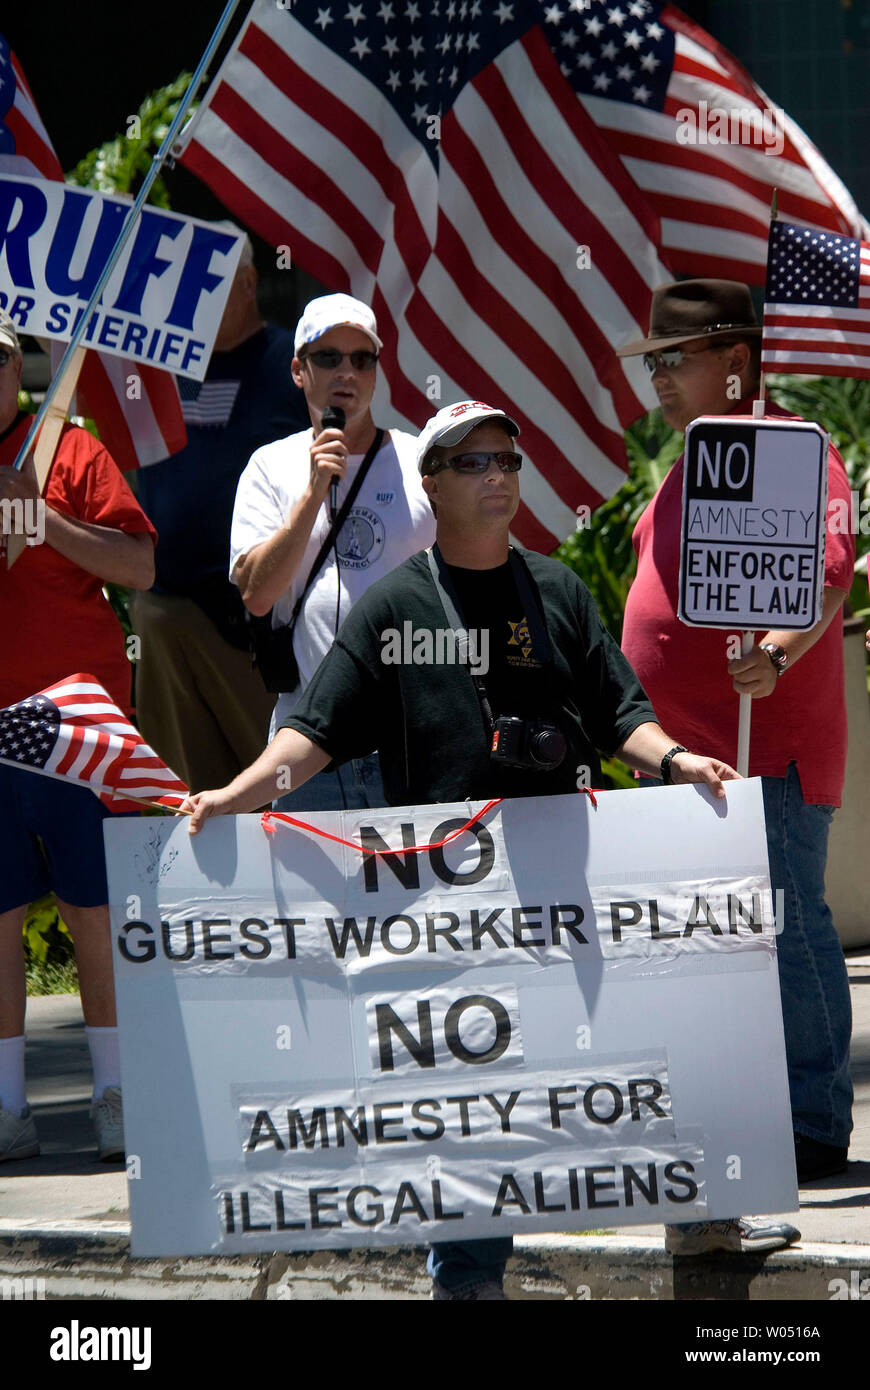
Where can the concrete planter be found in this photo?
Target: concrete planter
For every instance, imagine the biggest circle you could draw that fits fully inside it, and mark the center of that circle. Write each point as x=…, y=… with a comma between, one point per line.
x=848, y=875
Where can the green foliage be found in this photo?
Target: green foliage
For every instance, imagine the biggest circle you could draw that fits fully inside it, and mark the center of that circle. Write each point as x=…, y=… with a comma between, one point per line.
x=48, y=951
x=601, y=553
x=120, y=165
x=842, y=406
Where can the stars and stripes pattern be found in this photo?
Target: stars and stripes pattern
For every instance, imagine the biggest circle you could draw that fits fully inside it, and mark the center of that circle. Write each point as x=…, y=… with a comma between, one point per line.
x=430, y=159
x=816, y=303
x=705, y=146
x=137, y=431
x=208, y=403
x=503, y=184
x=73, y=730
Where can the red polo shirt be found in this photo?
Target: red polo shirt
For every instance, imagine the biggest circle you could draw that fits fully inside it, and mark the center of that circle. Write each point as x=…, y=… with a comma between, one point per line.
x=54, y=617
x=683, y=669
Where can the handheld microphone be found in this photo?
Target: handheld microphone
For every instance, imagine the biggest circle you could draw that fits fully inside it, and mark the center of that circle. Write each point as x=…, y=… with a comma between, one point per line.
x=333, y=418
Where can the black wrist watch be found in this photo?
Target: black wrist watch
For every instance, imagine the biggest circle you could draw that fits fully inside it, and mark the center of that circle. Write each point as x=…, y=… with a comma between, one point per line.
x=778, y=656
x=668, y=759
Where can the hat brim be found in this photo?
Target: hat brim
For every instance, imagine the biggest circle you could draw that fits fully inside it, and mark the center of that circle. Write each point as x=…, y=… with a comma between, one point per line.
x=661, y=342
x=458, y=432
x=372, y=337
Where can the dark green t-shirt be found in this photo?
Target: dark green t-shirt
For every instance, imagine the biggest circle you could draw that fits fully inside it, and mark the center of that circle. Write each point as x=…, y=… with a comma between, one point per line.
x=424, y=717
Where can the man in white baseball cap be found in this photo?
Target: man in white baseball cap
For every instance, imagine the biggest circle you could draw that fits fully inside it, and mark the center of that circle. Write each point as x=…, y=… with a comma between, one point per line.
x=288, y=498
x=554, y=688
x=8, y=335
x=453, y=423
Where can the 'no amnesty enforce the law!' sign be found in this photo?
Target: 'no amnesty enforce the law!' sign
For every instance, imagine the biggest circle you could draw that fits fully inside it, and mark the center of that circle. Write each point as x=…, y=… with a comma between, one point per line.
x=563, y=1018
x=753, y=539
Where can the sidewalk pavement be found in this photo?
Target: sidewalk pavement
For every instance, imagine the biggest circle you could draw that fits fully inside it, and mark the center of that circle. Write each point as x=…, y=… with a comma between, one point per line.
x=64, y=1216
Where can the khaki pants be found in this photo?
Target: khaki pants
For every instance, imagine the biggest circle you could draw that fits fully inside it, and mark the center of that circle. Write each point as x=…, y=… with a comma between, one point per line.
x=198, y=701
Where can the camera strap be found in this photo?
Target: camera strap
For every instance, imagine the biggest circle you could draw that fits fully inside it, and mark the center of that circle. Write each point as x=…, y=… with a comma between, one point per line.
x=446, y=589
x=335, y=527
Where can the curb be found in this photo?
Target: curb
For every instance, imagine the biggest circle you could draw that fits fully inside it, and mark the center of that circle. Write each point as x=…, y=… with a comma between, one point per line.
x=81, y=1260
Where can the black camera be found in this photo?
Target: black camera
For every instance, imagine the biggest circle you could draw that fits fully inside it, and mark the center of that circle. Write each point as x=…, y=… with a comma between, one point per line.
x=529, y=743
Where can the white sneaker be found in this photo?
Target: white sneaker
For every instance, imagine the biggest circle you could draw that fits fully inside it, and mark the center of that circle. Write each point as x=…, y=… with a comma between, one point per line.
x=17, y=1135
x=107, y=1118
x=740, y=1236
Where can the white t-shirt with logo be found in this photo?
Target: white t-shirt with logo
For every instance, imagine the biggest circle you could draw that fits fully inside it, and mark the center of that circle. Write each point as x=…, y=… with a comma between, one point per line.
x=390, y=520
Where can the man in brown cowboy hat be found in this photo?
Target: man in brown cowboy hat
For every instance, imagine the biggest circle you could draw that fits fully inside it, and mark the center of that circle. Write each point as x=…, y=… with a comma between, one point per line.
x=703, y=352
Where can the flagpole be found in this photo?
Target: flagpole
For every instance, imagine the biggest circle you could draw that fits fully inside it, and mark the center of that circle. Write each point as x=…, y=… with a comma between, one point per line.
x=758, y=405
x=118, y=793
x=129, y=223
x=744, y=718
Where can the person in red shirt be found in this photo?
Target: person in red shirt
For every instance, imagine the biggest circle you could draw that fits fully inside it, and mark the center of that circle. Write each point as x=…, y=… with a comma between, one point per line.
x=55, y=620
x=703, y=351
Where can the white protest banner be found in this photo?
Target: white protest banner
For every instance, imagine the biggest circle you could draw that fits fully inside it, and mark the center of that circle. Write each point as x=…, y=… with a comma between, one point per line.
x=569, y=1016
x=164, y=300
x=752, y=552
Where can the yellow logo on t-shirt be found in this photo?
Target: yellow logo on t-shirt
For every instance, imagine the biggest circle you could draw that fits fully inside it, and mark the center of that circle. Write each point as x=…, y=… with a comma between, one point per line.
x=522, y=638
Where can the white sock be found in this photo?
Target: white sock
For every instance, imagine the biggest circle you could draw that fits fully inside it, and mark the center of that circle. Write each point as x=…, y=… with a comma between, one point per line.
x=105, y=1058
x=12, y=1096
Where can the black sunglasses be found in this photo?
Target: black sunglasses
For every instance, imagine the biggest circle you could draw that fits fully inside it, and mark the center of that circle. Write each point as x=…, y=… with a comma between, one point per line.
x=5, y=356
x=361, y=359
x=479, y=463
x=671, y=358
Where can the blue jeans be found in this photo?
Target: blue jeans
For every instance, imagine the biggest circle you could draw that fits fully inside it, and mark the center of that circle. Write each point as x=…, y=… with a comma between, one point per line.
x=355, y=786
x=469, y=1262
x=813, y=982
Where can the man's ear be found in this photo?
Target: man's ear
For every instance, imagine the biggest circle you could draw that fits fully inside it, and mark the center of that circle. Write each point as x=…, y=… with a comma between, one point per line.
x=296, y=372
x=430, y=486
x=738, y=358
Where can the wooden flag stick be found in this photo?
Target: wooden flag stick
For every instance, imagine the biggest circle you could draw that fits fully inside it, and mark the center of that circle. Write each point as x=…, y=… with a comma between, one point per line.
x=744, y=718
x=130, y=222
x=47, y=440
x=758, y=405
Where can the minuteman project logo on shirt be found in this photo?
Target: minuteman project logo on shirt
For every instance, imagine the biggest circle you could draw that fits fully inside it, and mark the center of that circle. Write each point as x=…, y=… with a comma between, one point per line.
x=361, y=539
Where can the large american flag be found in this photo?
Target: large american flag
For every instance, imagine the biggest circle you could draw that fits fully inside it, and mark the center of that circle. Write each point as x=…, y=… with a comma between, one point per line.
x=817, y=303
x=448, y=162
x=658, y=87
x=135, y=432
x=73, y=730
x=467, y=238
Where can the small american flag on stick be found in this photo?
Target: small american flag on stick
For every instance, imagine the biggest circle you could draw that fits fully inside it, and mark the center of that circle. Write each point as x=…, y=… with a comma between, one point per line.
x=73, y=730
x=817, y=303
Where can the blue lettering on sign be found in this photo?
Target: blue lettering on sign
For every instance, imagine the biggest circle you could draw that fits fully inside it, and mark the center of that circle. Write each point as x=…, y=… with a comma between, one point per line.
x=64, y=244
x=58, y=318
x=196, y=278
x=74, y=242
x=15, y=233
x=144, y=260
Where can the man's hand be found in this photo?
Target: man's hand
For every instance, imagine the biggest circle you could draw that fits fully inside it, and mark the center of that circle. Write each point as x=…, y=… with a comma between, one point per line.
x=328, y=460
x=15, y=484
x=202, y=805
x=753, y=674
x=692, y=767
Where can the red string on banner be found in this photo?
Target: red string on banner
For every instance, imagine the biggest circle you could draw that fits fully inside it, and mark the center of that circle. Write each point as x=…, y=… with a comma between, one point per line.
x=268, y=817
